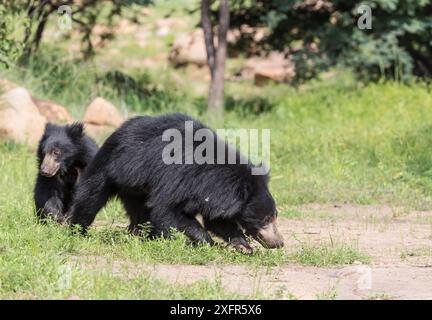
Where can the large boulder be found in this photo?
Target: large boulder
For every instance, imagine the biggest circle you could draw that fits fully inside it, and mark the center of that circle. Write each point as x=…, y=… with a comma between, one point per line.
x=189, y=48
x=274, y=67
x=98, y=132
x=101, y=118
x=52, y=111
x=102, y=112
x=20, y=119
x=6, y=85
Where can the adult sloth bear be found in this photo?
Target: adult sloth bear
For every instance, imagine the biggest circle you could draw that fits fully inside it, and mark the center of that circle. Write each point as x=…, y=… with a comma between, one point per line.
x=132, y=165
x=63, y=153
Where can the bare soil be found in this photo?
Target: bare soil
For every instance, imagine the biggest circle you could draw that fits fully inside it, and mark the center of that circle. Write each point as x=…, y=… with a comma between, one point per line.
x=399, y=244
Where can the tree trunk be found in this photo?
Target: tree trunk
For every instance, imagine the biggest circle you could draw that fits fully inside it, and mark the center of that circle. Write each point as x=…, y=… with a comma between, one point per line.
x=37, y=14
x=216, y=58
x=39, y=31
x=208, y=34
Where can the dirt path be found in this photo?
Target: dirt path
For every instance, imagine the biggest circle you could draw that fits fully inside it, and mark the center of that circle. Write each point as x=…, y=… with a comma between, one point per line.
x=386, y=236
x=404, y=282
x=399, y=245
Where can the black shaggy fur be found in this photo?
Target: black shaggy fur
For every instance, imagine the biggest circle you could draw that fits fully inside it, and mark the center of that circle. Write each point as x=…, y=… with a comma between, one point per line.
x=73, y=151
x=129, y=165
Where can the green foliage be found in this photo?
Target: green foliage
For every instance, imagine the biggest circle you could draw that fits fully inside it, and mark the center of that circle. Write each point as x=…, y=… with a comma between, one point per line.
x=320, y=34
x=70, y=16
x=11, y=22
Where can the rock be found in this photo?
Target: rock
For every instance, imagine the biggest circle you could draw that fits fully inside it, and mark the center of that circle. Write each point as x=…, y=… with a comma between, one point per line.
x=6, y=85
x=20, y=120
x=275, y=67
x=314, y=5
x=98, y=132
x=189, y=48
x=52, y=111
x=263, y=75
x=102, y=112
x=253, y=33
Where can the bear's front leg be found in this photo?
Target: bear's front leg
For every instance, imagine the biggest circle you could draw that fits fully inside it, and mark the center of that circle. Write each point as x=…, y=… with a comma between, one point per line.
x=230, y=233
x=53, y=207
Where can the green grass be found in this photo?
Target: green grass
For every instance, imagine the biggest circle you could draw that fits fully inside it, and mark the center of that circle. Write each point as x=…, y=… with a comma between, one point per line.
x=381, y=296
x=328, y=255
x=331, y=294
x=54, y=283
x=424, y=252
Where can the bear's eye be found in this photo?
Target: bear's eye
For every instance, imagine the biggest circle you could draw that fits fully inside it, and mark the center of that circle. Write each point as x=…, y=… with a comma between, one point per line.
x=268, y=219
x=56, y=152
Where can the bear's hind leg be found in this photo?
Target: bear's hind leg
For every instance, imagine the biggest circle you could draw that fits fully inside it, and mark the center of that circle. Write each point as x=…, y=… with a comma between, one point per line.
x=164, y=220
x=138, y=212
x=91, y=194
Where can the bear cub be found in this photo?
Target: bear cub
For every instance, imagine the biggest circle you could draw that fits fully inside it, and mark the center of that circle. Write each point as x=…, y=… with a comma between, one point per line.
x=63, y=153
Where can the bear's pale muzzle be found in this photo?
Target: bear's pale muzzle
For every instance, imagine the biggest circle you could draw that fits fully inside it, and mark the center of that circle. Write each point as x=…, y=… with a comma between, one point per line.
x=269, y=236
x=49, y=166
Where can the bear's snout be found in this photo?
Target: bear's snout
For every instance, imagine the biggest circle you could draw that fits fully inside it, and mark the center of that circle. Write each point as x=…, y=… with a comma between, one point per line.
x=49, y=166
x=269, y=236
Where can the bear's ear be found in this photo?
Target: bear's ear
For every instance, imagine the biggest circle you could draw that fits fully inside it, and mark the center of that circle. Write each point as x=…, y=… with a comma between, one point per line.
x=261, y=170
x=49, y=126
x=75, y=130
